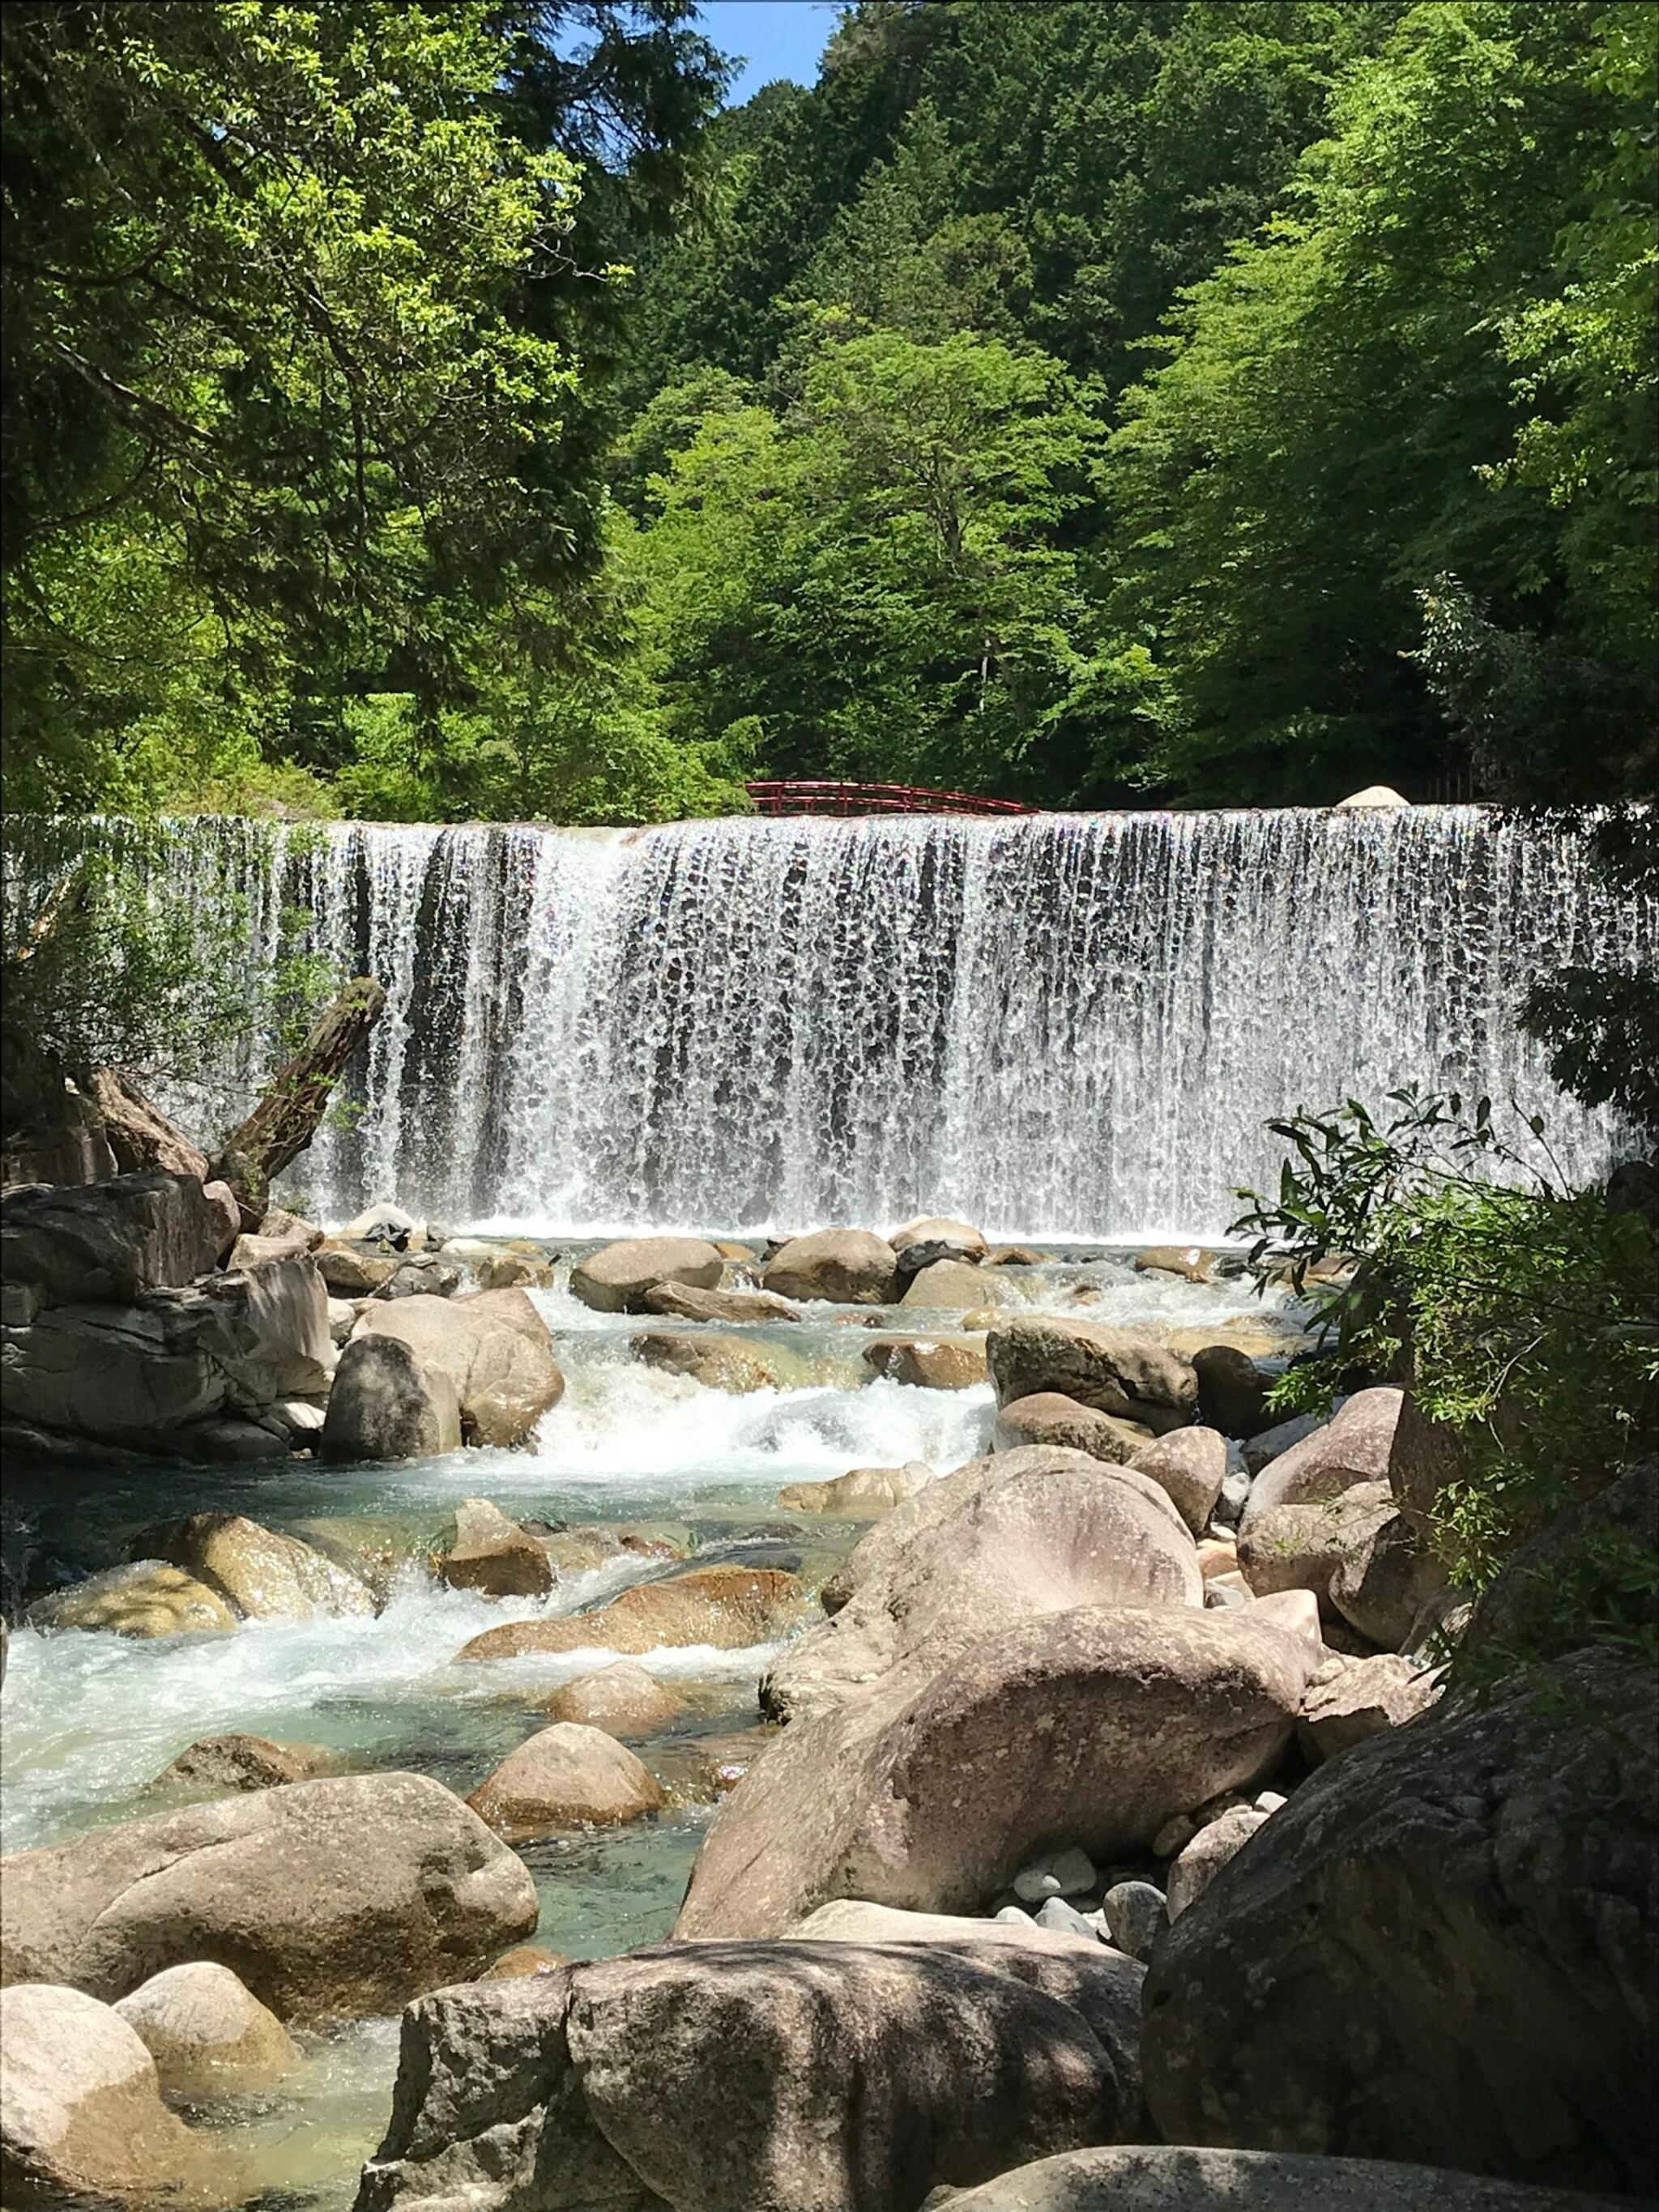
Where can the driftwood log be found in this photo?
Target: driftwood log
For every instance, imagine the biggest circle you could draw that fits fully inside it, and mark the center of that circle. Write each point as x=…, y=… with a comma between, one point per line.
x=285, y=1119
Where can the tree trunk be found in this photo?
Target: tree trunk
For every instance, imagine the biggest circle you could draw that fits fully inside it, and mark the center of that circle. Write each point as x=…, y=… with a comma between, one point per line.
x=285, y=1119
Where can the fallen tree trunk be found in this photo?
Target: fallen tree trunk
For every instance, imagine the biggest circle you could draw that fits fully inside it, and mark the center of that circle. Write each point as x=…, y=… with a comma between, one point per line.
x=285, y=1119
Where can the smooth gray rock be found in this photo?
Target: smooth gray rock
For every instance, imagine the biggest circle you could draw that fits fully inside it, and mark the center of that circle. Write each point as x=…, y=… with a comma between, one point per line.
x=849, y=1266
x=1210, y=1849
x=1136, y=1917
x=1063, y=1919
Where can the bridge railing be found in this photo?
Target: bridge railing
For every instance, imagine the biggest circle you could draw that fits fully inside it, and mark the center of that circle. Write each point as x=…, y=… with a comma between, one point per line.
x=797, y=796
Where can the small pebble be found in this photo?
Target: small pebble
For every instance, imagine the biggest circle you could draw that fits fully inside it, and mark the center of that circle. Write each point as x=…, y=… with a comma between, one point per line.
x=1064, y=1919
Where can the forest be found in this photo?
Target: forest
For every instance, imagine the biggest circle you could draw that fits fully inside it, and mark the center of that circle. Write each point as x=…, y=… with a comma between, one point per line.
x=442, y=413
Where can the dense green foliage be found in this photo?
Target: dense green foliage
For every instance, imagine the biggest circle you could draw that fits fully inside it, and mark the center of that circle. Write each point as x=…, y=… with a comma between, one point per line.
x=417, y=411
x=1524, y=1317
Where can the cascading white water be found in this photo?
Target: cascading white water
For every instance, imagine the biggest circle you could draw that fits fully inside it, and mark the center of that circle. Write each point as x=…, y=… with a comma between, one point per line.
x=1059, y=1025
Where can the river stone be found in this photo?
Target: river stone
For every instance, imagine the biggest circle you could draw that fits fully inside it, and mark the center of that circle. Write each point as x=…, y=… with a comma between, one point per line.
x=810, y=2076
x=523, y=1959
x=1198, y=1863
x=148, y=1598
x=281, y=1235
x=926, y=1362
x=328, y=1898
x=1190, y=1262
x=1384, y=1579
x=511, y=1271
x=1301, y=1546
x=1521, y=1609
x=265, y=1576
x=684, y=1303
x=951, y=1285
x=1232, y=1390
x=1094, y=1725
x=1349, y=1700
x=1190, y=1464
x=623, y=1699
x=1353, y=1447
x=208, y=2034
x=862, y=1493
x=387, y=1403
x=617, y=1278
x=1157, y=2178
x=238, y=1761
x=918, y=1243
x=108, y=1242
x=717, y=1362
x=1047, y=1417
x=1005, y=1539
x=1113, y=1370
x=496, y=1350
x=1135, y=1917
x=426, y=1275
x=350, y=1274
x=82, y=2118
x=729, y=1607
x=848, y=1267
x=1445, y=1949
x=493, y=1554
x=567, y=1775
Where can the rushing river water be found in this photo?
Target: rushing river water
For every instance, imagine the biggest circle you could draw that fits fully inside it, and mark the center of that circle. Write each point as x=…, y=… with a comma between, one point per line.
x=90, y=1720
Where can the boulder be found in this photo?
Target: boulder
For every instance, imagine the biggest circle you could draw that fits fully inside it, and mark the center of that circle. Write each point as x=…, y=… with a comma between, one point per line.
x=863, y=1493
x=509, y=1271
x=848, y=1267
x=1387, y=1575
x=220, y=1763
x=1198, y=1863
x=1186, y=2177
x=523, y=1959
x=1190, y=1262
x=349, y=1273
x=918, y=1243
x=1353, y=1447
x=328, y=1898
x=1350, y=1700
x=1444, y=1950
x=1232, y=1390
x=1188, y=1464
x=1003, y=1539
x=1047, y=1417
x=926, y=1362
x=495, y=1555
x=140, y=1136
x=148, y=1598
x=1520, y=1612
x=108, y=1242
x=425, y=1275
x=1302, y=1547
x=810, y=2077
x=623, y=1699
x=1269, y=1443
x=718, y=1363
x=280, y=1236
x=388, y=1404
x=729, y=1607
x=1374, y=796
x=210, y=2036
x=566, y=1776
x=617, y=1278
x=1113, y=1370
x=495, y=1348
x=262, y=1575
x=684, y=1303
x=383, y=1224
x=1093, y=1726
x=82, y=2118
x=951, y=1286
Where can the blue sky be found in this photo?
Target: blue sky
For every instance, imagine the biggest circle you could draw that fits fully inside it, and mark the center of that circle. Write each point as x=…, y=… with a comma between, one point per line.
x=780, y=38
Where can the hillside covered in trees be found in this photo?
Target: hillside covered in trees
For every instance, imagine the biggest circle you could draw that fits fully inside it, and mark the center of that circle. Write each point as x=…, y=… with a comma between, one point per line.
x=428, y=413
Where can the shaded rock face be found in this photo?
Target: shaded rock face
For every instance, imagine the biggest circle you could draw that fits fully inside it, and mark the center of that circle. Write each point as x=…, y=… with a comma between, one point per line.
x=387, y=1405
x=730, y=1607
x=1047, y=1417
x=1092, y=1726
x=1444, y=1950
x=1002, y=1540
x=566, y=1776
x=327, y=1898
x=110, y=1241
x=1232, y=1390
x=848, y=1266
x=80, y=2112
x=1353, y=1447
x=146, y=1598
x=493, y=1554
x=863, y=1493
x=1157, y=2178
x=1522, y=1608
x=496, y=1350
x=1385, y=1579
x=1113, y=1370
x=1200, y=1861
x=264, y=1576
x=803, y=2076
x=208, y=2035
x=618, y=1278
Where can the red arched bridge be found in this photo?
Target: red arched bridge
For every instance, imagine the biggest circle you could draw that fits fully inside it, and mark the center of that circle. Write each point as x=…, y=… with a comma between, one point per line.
x=772, y=796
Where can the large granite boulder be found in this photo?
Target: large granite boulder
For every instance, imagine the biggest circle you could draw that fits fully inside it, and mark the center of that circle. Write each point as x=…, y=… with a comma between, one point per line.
x=619, y=1278
x=210, y=2036
x=1353, y=1447
x=1184, y=2177
x=387, y=1403
x=108, y=1241
x=802, y=2076
x=1385, y=1579
x=82, y=2119
x=494, y=1347
x=1536, y=1607
x=951, y=1286
x=1047, y=1417
x=1003, y=1539
x=328, y=1898
x=566, y=1776
x=1445, y=1947
x=730, y=1607
x=261, y=1574
x=1232, y=1390
x=213, y=1765
x=1093, y=1726
x=1113, y=1370
x=146, y=1598
x=848, y=1267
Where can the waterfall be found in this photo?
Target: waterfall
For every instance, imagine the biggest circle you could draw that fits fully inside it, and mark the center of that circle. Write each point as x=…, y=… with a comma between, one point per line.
x=1056, y=1025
